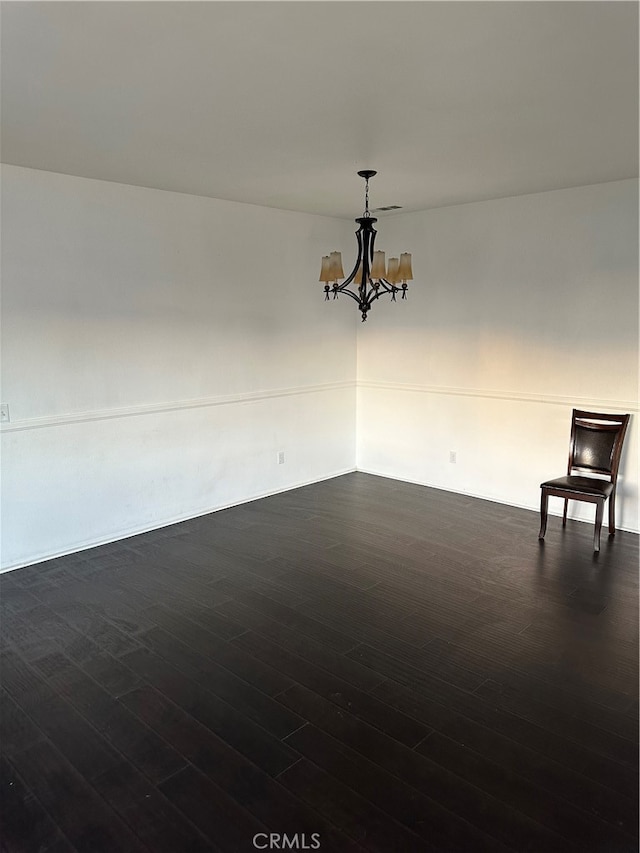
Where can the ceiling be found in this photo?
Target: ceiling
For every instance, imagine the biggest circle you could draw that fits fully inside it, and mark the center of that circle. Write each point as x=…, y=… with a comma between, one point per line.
x=280, y=103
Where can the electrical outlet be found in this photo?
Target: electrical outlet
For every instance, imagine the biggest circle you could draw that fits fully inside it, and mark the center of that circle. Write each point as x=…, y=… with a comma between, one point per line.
x=281, y=457
x=4, y=413
x=452, y=457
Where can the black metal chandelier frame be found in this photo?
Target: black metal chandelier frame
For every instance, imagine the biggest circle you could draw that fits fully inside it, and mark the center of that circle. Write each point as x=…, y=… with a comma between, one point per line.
x=368, y=289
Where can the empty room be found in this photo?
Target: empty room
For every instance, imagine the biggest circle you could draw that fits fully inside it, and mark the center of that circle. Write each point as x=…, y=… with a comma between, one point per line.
x=319, y=427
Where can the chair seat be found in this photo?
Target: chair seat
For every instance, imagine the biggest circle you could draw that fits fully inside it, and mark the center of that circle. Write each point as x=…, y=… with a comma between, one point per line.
x=583, y=485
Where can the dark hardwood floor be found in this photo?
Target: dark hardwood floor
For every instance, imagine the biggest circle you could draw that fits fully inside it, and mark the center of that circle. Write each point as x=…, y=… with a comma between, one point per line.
x=361, y=664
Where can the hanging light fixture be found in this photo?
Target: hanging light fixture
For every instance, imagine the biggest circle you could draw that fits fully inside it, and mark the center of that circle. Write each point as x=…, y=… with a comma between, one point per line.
x=372, y=277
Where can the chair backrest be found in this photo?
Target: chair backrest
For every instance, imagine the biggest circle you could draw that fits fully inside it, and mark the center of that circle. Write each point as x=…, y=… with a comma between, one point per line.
x=596, y=442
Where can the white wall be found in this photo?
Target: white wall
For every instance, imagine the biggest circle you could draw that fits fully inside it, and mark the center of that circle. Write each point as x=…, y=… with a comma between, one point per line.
x=522, y=308
x=158, y=350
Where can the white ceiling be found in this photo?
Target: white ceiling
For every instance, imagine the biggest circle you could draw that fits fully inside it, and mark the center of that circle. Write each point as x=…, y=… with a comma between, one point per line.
x=280, y=103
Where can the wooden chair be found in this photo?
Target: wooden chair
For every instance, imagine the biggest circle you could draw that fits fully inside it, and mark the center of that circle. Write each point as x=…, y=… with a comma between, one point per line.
x=596, y=446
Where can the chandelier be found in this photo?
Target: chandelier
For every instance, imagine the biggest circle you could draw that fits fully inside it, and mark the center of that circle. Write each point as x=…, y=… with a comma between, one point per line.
x=371, y=275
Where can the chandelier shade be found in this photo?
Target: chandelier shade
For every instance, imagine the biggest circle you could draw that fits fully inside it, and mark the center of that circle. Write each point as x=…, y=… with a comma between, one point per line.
x=372, y=274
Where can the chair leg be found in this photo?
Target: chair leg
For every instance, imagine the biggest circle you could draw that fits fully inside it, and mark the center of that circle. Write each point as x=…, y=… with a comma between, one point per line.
x=596, y=534
x=612, y=514
x=543, y=514
x=564, y=514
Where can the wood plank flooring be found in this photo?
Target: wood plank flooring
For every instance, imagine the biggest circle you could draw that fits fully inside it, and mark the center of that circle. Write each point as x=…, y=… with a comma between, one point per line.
x=363, y=664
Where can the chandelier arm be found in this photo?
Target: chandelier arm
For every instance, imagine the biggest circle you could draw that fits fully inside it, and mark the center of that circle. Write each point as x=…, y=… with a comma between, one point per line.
x=343, y=289
x=369, y=238
x=366, y=302
x=373, y=295
x=353, y=272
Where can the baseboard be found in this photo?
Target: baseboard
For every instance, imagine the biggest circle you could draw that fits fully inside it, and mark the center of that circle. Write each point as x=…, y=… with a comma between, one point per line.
x=534, y=509
x=126, y=534
x=94, y=543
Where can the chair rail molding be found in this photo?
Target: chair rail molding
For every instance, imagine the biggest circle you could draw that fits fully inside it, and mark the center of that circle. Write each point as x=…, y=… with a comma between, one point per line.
x=170, y=406
x=515, y=396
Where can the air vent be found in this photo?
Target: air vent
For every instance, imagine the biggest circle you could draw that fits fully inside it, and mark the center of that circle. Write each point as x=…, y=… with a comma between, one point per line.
x=388, y=207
